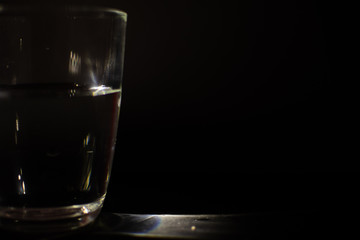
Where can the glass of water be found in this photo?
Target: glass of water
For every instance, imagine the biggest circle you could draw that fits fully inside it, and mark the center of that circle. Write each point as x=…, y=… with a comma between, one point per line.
x=60, y=89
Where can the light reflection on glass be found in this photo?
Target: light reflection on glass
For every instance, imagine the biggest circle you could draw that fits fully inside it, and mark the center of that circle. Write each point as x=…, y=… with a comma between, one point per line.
x=72, y=92
x=17, y=128
x=85, y=210
x=100, y=90
x=21, y=183
x=92, y=67
x=17, y=122
x=74, y=63
x=88, y=157
x=86, y=140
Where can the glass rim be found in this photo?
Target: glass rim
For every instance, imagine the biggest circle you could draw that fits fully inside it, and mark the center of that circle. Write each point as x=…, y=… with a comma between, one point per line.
x=17, y=10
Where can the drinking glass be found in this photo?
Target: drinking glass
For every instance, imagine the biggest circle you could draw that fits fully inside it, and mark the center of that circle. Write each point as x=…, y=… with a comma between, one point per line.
x=60, y=89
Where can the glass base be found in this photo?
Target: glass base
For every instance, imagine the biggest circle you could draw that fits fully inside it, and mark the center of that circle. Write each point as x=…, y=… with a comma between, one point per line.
x=57, y=219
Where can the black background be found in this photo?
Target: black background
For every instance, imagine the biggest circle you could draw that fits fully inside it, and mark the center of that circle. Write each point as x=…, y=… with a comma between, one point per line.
x=233, y=106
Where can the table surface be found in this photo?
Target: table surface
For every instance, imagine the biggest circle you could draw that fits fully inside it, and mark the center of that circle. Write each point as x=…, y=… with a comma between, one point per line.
x=279, y=225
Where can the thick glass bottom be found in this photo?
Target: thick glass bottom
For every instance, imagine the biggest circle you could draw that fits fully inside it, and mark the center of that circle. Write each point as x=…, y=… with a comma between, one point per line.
x=57, y=219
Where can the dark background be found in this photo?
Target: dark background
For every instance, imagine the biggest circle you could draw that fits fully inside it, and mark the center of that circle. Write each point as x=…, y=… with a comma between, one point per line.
x=235, y=106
